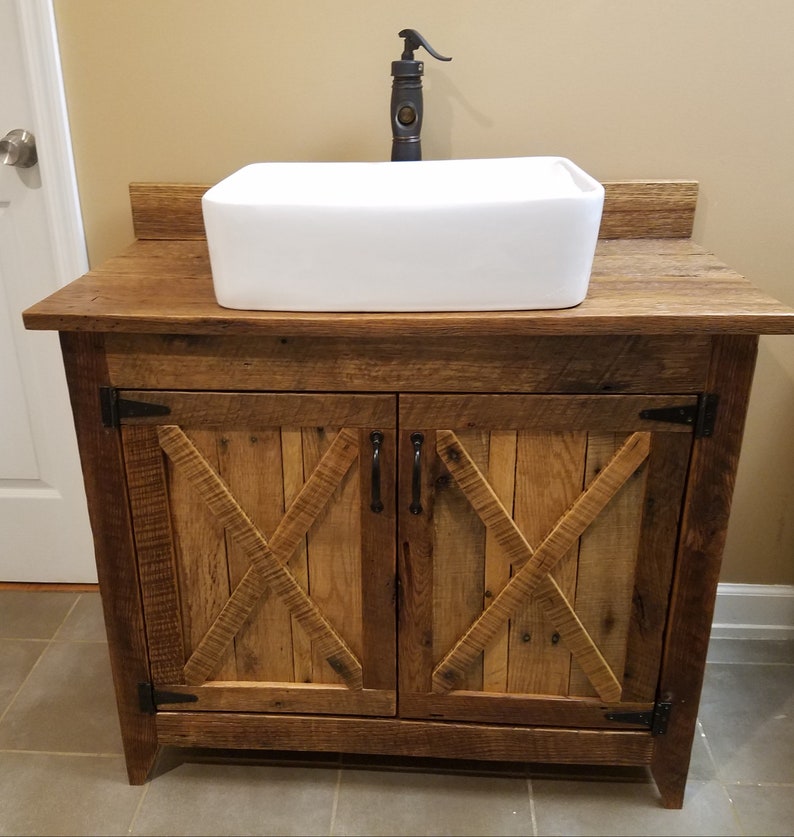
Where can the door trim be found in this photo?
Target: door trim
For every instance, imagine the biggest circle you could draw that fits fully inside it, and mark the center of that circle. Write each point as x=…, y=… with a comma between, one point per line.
x=56, y=160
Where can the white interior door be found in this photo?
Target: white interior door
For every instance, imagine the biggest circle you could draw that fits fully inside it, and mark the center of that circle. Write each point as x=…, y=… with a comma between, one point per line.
x=44, y=530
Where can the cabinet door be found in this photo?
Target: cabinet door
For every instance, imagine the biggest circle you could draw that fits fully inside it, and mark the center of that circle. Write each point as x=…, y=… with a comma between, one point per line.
x=536, y=550
x=267, y=577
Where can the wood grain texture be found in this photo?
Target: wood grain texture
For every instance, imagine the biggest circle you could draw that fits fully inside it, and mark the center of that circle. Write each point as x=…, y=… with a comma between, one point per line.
x=637, y=286
x=410, y=738
x=235, y=411
x=261, y=696
x=458, y=554
x=550, y=465
x=167, y=211
x=506, y=708
x=588, y=505
x=154, y=542
x=201, y=560
x=632, y=209
x=706, y=510
x=334, y=553
x=577, y=639
x=103, y=473
x=501, y=477
x=378, y=560
x=560, y=364
x=271, y=568
x=667, y=469
x=250, y=465
x=607, y=561
x=649, y=209
x=415, y=565
x=544, y=412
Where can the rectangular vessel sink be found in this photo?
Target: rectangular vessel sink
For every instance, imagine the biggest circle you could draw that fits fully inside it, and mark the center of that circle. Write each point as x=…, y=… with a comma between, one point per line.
x=438, y=235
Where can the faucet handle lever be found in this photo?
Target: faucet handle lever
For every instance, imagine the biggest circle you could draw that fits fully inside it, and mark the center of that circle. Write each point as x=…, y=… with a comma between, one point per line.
x=413, y=40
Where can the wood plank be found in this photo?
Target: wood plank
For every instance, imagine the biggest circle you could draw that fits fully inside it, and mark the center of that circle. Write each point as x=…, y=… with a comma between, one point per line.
x=250, y=465
x=456, y=364
x=632, y=209
x=637, y=286
x=547, y=412
x=293, y=479
x=703, y=527
x=102, y=463
x=288, y=543
x=550, y=467
x=649, y=209
x=667, y=469
x=200, y=550
x=334, y=553
x=505, y=708
x=262, y=696
x=415, y=563
x=172, y=211
x=273, y=570
x=378, y=561
x=238, y=411
x=154, y=542
x=458, y=557
x=460, y=569
x=398, y=737
x=502, y=479
x=607, y=562
x=560, y=539
x=576, y=637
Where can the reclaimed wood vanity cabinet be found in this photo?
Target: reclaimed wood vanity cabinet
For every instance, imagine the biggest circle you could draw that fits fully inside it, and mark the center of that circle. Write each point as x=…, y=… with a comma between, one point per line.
x=484, y=535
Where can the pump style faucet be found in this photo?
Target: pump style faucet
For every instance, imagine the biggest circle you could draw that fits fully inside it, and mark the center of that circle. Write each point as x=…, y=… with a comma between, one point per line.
x=406, y=98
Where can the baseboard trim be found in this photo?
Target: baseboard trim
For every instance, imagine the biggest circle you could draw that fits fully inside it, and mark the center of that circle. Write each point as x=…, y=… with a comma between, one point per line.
x=754, y=611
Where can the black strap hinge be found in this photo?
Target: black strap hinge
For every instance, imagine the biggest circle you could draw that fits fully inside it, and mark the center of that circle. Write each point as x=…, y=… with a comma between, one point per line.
x=654, y=719
x=149, y=698
x=114, y=409
x=700, y=416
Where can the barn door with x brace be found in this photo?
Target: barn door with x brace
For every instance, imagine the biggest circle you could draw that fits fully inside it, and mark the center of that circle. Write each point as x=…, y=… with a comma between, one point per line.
x=536, y=550
x=264, y=527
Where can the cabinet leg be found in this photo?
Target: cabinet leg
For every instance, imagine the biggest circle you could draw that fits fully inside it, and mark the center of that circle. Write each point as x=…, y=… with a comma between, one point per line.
x=105, y=484
x=670, y=766
x=140, y=752
x=703, y=527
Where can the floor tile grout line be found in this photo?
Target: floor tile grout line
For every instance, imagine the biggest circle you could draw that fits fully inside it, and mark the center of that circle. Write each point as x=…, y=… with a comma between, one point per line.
x=35, y=665
x=65, y=618
x=137, y=811
x=734, y=812
x=532, y=812
x=700, y=729
x=335, y=803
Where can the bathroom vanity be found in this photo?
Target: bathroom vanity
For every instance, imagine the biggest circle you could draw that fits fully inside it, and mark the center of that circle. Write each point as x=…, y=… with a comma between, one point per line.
x=487, y=536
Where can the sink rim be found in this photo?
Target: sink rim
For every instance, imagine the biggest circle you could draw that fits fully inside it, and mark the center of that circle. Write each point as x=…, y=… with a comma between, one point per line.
x=404, y=185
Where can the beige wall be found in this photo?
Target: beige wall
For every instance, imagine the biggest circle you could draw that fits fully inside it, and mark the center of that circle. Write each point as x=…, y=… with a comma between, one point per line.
x=191, y=90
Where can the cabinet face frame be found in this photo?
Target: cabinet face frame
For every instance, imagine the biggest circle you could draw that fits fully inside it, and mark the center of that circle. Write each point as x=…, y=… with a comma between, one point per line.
x=727, y=370
x=266, y=575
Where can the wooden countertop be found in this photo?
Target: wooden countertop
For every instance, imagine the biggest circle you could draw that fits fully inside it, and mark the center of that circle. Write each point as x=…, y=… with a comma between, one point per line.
x=639, y=285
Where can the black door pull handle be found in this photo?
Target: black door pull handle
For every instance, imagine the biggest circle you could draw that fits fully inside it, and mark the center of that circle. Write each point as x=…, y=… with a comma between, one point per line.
x=376, y=437
x=416, y=477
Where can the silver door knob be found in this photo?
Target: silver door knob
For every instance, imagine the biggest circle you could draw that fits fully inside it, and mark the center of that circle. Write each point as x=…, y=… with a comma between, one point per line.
x=18, y=148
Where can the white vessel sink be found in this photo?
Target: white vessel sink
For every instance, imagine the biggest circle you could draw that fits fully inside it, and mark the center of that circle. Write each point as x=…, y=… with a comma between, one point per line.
x=447, y=235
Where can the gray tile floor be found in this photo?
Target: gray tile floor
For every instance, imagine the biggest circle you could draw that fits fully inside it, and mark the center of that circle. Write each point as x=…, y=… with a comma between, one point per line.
x=61, y=769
